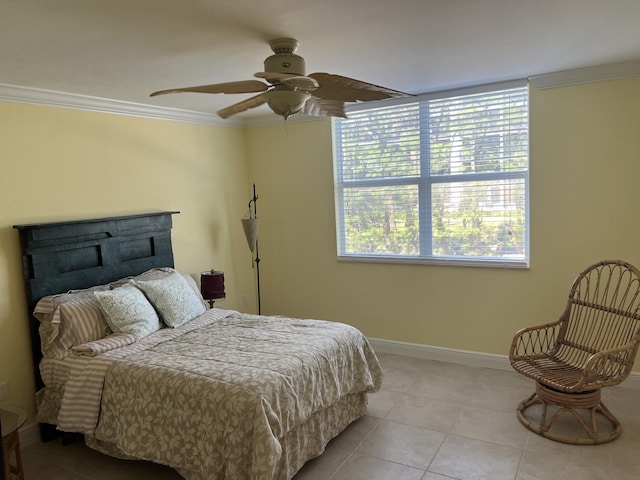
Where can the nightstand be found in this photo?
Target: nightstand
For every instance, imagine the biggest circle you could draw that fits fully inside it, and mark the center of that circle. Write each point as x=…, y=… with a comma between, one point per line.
x=11, y=419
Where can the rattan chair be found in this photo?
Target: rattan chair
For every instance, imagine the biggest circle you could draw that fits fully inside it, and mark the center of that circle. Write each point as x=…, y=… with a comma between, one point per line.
x=593, y=345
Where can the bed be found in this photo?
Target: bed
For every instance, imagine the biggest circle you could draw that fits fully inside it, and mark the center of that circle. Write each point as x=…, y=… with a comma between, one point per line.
x=213, y=393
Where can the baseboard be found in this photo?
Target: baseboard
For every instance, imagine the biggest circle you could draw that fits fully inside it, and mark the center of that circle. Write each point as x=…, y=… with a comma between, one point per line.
x=461, y=357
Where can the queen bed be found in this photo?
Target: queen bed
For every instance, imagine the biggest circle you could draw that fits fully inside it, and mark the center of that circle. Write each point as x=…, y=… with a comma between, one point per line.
x=213, y=393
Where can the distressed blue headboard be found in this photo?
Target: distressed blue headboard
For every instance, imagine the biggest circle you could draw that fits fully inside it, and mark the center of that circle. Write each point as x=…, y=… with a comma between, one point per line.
x=62, y=256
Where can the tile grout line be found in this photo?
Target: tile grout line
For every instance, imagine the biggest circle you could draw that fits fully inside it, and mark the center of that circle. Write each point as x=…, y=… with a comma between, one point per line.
x=352, y=452
x=524, y=448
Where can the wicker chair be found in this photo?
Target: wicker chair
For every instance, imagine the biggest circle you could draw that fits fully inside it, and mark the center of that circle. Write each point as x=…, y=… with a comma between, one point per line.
x=593, y=345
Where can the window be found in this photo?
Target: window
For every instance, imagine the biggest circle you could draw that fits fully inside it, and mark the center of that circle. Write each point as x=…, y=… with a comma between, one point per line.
x=440, y=178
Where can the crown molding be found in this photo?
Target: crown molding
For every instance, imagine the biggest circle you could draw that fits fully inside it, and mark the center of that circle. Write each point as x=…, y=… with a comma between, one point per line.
x=74, y=101
x=52, y=98
x=576, y=76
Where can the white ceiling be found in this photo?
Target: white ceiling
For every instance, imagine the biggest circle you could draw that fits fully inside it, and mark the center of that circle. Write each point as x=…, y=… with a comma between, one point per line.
x=126, y=49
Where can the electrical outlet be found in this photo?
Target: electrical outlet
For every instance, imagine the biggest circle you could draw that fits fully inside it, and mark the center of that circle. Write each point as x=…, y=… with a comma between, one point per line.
x=245, y=300
x=4, y=391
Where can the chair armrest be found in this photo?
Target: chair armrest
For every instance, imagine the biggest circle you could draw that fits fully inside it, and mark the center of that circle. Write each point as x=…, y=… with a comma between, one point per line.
x=609, y=367
x=534, y=342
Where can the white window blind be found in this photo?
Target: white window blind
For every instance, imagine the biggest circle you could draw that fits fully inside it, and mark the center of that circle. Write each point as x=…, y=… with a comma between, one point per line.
x=440, y=179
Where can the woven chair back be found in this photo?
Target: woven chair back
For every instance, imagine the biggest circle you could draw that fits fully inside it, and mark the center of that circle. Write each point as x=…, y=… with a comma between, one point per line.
x=603, y=311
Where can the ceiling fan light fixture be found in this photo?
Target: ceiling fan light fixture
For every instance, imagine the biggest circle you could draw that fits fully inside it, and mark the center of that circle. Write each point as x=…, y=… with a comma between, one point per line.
x=287, y=102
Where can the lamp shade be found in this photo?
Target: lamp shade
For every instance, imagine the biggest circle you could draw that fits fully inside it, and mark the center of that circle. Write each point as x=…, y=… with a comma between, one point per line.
x=251, y=227
x=212, y=285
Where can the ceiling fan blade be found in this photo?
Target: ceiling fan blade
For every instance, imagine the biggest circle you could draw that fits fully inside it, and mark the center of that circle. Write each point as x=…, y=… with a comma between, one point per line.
x=244, y=105
x=243, y=86
x=301, y=82
x=337, y=87
x=321, y=107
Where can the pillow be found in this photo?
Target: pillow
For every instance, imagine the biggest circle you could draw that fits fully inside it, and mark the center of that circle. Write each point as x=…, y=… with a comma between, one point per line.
x=151, y=274
x=97, y=347
x=127, y=310
x=196, y=289
x=69, y=319
x=158, y=273
x=173, y=297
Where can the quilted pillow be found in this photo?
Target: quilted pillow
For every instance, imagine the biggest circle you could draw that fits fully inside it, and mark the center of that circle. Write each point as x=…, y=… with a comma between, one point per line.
x=69, y=319
x=127, y=310
x=158, y=273
x=174, y=298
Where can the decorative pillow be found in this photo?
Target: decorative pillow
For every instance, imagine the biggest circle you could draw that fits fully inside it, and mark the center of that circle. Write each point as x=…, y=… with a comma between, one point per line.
x=69, y=319
x=158, y=273
x=196, y=289
x=173, y=297
x=127, y=310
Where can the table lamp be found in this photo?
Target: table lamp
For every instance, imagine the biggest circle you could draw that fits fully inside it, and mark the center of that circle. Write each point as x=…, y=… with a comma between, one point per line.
x=212, y=286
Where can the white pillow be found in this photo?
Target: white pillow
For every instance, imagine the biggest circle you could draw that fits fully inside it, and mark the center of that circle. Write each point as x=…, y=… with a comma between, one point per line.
x=127, y=310
x=173, y=297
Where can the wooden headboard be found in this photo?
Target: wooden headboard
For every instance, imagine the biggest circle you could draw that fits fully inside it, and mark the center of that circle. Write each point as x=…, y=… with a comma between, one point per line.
x=62, y=256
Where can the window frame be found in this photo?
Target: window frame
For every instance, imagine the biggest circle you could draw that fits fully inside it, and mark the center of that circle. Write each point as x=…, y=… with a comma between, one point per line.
x=425, y=183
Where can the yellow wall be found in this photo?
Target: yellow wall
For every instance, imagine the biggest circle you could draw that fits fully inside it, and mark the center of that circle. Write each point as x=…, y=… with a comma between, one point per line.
x=585, y=199
x=59, y=164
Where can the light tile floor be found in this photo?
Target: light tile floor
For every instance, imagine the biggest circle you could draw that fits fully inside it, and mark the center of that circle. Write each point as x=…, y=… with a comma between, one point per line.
x=430, y=421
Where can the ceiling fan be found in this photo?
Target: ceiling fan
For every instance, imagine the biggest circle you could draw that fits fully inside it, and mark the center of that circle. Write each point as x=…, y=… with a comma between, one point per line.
x=289, y=90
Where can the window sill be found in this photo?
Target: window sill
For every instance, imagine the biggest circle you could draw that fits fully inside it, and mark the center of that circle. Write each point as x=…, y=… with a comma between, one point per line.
x=448, y=261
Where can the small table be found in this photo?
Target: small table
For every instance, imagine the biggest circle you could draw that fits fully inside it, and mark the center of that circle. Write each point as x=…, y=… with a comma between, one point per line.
x=12, y=418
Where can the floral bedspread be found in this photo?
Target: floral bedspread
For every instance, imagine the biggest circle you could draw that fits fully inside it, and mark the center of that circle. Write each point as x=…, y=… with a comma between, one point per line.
x=216, y=402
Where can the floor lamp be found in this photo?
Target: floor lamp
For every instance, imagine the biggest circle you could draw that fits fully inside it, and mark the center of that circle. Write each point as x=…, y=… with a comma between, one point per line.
x=251, y=225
